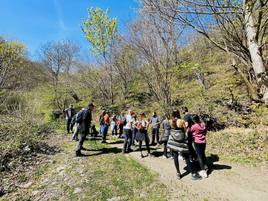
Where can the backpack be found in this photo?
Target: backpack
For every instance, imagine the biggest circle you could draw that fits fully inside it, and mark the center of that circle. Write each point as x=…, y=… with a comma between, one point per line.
x=102, y=120
x=178, y=135
x=79, y=117
x=124, y=121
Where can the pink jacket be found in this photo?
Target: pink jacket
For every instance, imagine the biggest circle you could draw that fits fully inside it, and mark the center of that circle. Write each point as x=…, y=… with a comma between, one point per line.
x=199, y=132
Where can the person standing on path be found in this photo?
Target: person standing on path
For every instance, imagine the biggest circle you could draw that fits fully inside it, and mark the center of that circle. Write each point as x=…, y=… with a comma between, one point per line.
x=101, y=120
x=114, y=125
x=199, y=131
x=177, y=142
x=121, y=119
x=69, y=113
x=127, y=132
x=86, y=119
x=134, y=129
x=141, y=126
x=155, y=122
x=77, y=125
x=166, y=133
x=188, y=118
x=105, y=126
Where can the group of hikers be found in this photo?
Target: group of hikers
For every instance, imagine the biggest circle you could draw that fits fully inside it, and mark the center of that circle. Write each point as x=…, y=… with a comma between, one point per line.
x=184, y=137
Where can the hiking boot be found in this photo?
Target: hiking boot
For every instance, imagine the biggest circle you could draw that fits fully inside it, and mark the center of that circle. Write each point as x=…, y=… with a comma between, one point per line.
x=203, y=174
x=196, y=176
x=142, y=156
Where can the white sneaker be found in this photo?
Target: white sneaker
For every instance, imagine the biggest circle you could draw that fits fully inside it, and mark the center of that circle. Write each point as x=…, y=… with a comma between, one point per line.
x=181, y=158
x=203, y=174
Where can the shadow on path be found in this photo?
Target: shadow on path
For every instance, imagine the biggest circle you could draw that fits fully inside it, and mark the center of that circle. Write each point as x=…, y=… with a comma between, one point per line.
x=105, y=150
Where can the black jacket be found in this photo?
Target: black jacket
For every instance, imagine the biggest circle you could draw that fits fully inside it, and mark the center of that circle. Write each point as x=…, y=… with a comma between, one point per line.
x=86, y=121
x=73, y=112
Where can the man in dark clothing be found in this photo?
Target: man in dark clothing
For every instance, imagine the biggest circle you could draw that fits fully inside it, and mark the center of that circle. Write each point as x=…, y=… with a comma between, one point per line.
x=155, y=128
x=189, y=120
x=85, y=125
x=69, y=113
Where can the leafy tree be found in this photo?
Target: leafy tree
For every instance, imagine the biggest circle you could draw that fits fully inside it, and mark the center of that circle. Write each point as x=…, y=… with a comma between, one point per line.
x=99, y=30
x=11, y=56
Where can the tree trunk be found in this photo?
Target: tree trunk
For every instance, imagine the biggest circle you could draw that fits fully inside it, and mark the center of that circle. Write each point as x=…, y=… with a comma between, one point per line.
x=254, y=50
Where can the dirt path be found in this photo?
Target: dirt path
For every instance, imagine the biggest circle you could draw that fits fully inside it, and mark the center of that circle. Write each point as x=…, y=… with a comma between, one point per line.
x=226, y=181
x=69, y=178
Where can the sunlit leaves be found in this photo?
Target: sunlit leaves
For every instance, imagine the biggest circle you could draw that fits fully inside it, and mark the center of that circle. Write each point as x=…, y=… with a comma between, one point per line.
x=99, y=30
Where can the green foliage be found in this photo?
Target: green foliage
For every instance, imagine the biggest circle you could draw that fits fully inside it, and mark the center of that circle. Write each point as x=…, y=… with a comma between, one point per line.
x=11, y=57
x=99, y=29
x=240, y=145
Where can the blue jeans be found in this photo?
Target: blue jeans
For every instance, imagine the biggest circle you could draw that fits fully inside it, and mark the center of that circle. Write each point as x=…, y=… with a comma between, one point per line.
x=104, y=132
x=155, y=134
x=127, y=140
x=134, y=131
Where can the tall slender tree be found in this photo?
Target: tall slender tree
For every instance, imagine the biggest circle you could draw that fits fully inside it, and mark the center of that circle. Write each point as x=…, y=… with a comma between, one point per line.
x=100, y=31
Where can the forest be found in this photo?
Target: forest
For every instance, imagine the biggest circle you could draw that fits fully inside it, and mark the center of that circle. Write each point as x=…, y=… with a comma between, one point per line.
x=208, y=55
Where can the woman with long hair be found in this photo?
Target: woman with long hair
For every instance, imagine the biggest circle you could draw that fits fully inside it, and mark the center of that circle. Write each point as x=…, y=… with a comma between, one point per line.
x=177, y=142
x=142, y=135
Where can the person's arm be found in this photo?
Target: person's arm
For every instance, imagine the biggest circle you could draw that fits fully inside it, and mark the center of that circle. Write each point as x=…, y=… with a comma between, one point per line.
x=193, y=129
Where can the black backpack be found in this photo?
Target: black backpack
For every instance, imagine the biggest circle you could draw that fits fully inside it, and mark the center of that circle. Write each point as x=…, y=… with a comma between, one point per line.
x=124, y=120
x=79, y=118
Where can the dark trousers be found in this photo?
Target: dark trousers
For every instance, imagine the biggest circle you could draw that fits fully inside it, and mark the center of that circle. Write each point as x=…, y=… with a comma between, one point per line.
x=176, y=162
x=81, y=141
x=134, y=131
x=191, y=149
x=120, y=130
x=68, y=124
x=165, y=148
x=146, y=143
x=155, y=135
x=127, y=140
x=200, y=151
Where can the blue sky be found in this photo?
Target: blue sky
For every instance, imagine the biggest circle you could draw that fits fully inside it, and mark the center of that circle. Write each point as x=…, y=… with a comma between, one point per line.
x=34, y=22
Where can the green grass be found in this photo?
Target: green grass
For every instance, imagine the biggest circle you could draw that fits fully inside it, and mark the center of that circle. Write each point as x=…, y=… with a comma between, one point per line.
x=245, y=146
x=101, y=176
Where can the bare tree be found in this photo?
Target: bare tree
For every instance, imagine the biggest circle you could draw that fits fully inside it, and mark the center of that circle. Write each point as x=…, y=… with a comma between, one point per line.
x=59, y=57
x=123, y=60
x=155, y=39
x=241, y=25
